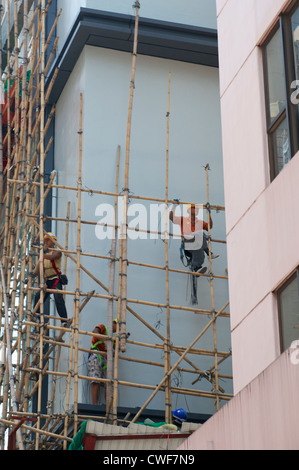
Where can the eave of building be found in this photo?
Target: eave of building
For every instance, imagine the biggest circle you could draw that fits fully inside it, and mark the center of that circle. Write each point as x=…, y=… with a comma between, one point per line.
x=115, y=31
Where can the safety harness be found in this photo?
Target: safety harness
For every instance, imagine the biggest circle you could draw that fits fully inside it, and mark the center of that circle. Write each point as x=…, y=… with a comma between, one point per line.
x=60, y=277
x=57, y=272
x=192, y=254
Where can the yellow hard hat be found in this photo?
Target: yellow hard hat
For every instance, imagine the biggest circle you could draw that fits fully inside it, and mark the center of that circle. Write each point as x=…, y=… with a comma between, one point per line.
x=50, y=236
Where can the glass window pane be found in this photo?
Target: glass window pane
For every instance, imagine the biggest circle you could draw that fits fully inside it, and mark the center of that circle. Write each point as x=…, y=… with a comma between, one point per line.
x=295, y=30
x=281, y=145
x=275, y=77
x=289, y=313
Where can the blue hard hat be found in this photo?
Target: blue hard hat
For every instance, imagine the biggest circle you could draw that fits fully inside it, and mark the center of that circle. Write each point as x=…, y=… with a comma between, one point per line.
x=179, y=415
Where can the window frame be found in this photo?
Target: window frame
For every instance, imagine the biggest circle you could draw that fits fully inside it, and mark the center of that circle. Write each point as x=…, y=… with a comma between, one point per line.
x=294, y=276
x=290, y=112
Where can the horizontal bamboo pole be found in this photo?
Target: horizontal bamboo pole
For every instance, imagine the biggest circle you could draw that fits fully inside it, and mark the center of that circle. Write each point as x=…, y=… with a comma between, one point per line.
x=141, y=386
x=134, y=301
x=36, y=430
x=106, y=193
x=132, y=229
x=135, y=263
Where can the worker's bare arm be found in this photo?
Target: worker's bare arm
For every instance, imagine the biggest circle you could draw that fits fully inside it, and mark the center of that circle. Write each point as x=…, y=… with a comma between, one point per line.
x=54, y=256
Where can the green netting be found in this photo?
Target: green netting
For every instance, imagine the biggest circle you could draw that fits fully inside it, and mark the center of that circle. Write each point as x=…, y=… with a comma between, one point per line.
x=77, y=442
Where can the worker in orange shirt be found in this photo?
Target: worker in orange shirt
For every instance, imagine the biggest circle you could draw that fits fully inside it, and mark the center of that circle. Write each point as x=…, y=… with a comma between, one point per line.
x=194, y=240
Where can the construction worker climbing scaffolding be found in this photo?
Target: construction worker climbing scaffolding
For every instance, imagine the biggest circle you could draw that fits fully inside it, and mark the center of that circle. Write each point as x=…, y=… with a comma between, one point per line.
x=52, y=275
x=194, y=244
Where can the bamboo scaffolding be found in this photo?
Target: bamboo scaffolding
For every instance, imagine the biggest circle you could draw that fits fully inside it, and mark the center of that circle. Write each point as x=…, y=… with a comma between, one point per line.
x=25, y=219
x=176, y=364
x=21, y=149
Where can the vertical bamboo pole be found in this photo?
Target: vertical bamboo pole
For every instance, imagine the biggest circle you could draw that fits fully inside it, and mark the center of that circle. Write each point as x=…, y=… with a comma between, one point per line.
x=69, y=377
x=66, y=243
x=117, y=341
x=41, y=218
x=75, y=328
x=7, y=214
x=109, y=395
x=8, y=165
x=31, y=205
x=77, y=296
x=207, y=168
x=168, y=416
x=23, y=168
x=124, y=231
x=9, y=355
x=18, y=191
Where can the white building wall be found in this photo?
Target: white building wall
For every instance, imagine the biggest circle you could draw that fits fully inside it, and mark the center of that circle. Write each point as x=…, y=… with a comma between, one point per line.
x=103, y=76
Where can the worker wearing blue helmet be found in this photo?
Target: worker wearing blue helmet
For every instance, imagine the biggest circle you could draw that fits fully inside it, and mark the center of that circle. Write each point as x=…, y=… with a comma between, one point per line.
x=179, y=416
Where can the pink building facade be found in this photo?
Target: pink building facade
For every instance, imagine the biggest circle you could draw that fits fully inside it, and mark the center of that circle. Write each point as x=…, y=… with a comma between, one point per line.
x=259, y=73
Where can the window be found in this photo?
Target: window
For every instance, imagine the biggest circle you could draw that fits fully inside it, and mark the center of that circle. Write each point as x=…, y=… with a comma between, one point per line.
x=288, y=307
x=281, y=72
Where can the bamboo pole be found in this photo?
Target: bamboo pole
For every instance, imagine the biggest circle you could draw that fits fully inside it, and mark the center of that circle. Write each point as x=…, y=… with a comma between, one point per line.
x=9, y=356
x=22, y=174
x=212, y=288
x=132, y=196
x=117, y=341
x=8, y=188
x=136, y=301
x=4, y=371
x=124, y=233
x=109, y=390
x=168, y=407
x=78, y=271
x=136, y=229
x=66, y=243
x=41, y=222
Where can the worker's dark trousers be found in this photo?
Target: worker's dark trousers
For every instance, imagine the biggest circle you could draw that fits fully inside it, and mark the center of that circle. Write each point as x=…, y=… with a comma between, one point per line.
x=59, y=300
